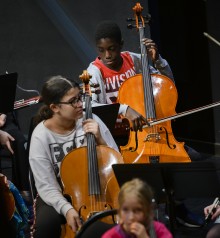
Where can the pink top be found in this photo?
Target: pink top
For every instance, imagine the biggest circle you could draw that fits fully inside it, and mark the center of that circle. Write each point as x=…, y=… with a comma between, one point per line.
x=118, y=232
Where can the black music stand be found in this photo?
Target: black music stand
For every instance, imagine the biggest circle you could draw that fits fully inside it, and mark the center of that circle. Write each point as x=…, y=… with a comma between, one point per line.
x=108, y=114
x=176, y=180
x=195, y=179
x=8, y=83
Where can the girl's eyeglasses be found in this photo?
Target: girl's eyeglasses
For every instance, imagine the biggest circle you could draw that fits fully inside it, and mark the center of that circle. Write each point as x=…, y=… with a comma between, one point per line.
x=73, y=102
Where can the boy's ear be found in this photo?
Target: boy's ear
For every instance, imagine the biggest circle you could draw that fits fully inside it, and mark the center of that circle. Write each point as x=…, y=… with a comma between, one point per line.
x=122, y=43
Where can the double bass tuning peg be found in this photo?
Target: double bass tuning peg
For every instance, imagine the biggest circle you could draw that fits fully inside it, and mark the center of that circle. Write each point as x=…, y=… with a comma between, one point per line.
x=145, y=20
x=130, y=26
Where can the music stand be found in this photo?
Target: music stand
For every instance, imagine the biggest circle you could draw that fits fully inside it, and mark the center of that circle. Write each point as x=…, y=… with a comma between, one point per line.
x=108, y=114
x=194, y=180
x=150, y=174
x=8, y=83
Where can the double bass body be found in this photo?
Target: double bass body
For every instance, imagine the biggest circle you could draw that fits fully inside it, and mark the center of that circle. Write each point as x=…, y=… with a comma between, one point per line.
x=156, y=143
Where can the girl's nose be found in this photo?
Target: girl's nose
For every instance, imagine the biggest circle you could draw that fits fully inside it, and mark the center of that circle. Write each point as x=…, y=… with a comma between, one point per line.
x=130, y=215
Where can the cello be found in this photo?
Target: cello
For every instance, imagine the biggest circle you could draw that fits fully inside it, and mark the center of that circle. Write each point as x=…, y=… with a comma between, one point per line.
x=7, y=203
x=87, y=175
x=154, y=96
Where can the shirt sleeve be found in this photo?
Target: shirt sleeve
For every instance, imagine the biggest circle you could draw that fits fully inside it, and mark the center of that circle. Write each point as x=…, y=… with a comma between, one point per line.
x=46, y=182
x=122, y=109
x=161, y=66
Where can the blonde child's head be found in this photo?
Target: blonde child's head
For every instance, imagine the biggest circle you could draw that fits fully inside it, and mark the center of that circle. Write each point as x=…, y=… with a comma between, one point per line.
x=135, y=203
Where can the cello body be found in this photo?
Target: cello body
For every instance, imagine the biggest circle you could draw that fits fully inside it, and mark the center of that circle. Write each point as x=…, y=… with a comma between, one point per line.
x=7, y=202
x=87, y=174
x=74, y=173
x=158, y=141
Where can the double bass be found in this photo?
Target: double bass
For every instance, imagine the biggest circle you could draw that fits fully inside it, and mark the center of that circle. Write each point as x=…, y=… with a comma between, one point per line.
x=154, y=96
x=87, y=175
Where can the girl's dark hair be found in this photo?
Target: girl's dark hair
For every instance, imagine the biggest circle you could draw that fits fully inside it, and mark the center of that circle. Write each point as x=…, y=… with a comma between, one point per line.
x=108, y=29
x=53, y=91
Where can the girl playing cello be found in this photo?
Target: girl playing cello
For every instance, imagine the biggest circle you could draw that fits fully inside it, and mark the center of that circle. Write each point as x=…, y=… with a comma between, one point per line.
x=61, y=130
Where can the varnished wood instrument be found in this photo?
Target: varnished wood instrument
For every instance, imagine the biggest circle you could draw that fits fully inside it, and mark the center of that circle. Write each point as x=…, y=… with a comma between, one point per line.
x=87, y=175
x=154, y=96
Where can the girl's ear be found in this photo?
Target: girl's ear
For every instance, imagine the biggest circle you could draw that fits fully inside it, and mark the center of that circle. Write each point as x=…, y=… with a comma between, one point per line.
x=54, y=107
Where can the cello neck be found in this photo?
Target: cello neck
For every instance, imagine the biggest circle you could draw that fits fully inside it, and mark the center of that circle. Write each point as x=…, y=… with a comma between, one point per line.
x=94, y=180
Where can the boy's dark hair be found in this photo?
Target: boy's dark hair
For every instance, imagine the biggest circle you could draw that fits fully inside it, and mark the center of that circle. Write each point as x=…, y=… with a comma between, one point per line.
x=108, y=29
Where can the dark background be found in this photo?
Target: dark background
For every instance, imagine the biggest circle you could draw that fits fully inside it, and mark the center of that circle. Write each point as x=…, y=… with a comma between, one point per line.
x=40, y=38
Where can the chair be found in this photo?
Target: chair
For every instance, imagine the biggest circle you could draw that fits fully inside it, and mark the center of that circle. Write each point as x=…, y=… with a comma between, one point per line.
x=94, y=227
x=33, y=189
x=32, y=185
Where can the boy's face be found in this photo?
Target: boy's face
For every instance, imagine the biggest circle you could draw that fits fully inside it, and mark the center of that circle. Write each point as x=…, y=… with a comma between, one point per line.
x=109, y=51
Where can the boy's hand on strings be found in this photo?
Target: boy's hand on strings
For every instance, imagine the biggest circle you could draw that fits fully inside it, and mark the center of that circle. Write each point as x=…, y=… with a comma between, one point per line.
x=151, y=49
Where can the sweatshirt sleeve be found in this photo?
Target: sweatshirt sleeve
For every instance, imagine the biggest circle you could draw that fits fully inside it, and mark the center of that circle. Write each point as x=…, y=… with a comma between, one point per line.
x=46, y=182
x=161, y=66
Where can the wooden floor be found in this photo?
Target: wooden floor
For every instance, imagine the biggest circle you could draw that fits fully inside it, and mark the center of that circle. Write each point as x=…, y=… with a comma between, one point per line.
x=194, y=205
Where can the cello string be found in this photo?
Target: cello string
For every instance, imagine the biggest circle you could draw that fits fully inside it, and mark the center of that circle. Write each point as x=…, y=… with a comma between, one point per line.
x=93, y=166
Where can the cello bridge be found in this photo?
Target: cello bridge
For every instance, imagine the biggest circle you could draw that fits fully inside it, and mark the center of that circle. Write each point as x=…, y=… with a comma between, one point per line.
x=152, y=136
